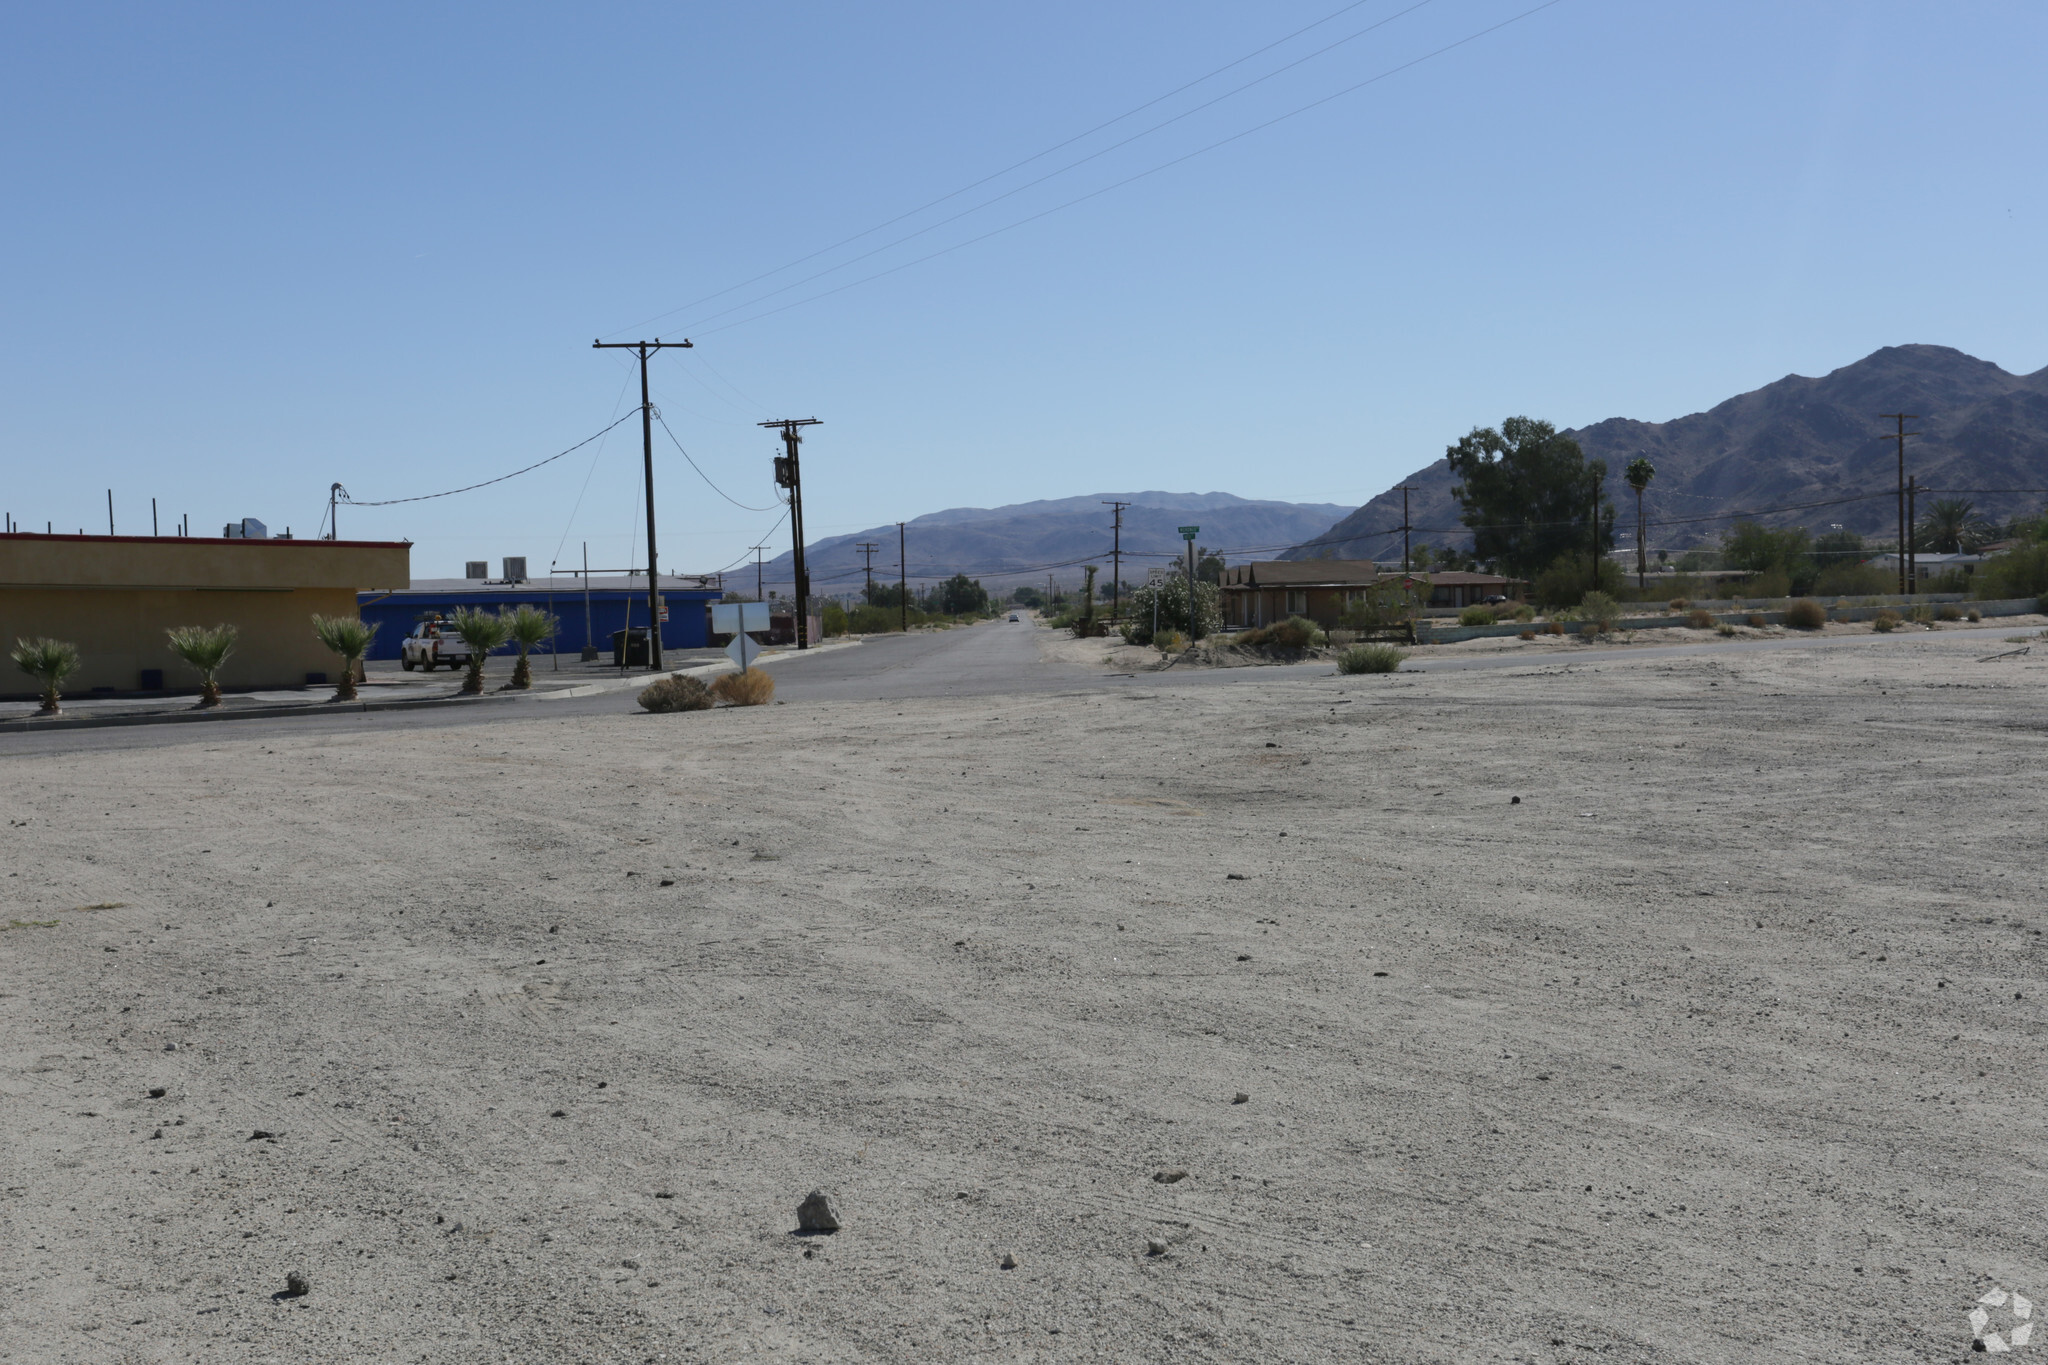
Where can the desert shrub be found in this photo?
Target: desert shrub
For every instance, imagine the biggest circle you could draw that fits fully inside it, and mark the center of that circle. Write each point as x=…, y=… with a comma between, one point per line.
x=676, y=693
x=751, y=688
x=1973, y=615
x=1570, y=578
x=2016, y=573
x=1528, y=635
x=1170, y=641
x=1554, y=628
x=1589, y=632
x=1680, y=603
x=1949, y=611
x=1854, y=580
x=1088, y=627
x=1724, y=630
x=1806, y=614
x=1170, y=596
x=1921, y=613
x=1295, y=633
x=1370, y=659
x=1601, y=609
x=1477, y=616
x=1525, y=612
x=1755, y=621
x=1699, y=618
x=1885, y=621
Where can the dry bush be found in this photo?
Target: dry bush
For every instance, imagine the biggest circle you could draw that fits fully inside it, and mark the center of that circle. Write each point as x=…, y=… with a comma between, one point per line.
x=1679, y=604
x=1699, y=618
x=1476, y=616
x=1949, y=612
x=676, y=693
x=1755, y=621
x=1806, y=614
x=1294, y=634
x=1973, y=615
x=1922, y=613
x=1724, y=629
x=1554, y=628
x=751, y=688
x=1885, y=621
x=1370, y=659
x=1589, y=632
x=1528, y=635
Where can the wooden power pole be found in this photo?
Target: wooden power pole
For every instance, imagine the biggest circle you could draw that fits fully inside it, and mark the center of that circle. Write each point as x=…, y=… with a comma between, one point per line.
x=1405, y=491
x=1900, y=435
x=1116, y=553
x=789, y=474
x=645, y=349
x=867, y=549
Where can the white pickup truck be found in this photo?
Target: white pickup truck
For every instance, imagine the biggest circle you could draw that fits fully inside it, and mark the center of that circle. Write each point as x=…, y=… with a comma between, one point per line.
x=431, y=643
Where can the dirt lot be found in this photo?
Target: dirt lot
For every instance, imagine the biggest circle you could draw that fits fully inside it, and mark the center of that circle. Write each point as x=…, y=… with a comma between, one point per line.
x=1723, y=1044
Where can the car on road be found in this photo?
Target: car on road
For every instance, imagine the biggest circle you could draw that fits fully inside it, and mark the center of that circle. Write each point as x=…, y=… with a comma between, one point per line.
x=1013, y=616
x=433, y=642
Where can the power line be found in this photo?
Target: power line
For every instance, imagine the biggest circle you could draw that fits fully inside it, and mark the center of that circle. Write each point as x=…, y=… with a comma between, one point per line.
x=997, y=175
x=1015, y=190
x=701, y=474
x=1132, y=179
x=470, y=488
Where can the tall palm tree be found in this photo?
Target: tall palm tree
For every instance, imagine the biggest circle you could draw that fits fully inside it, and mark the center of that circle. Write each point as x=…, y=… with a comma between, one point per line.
x=206, y=648
x=483, y=632
x=1638, y=474
x=350, y=638
x=49, y=662
x=1951, y=526
x=528, y=626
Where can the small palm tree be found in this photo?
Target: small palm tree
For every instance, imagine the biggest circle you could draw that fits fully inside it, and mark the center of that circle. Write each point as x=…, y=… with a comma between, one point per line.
x=1952, y=525
x=528, y=627
x=350, y=638
x=206, y=648
x=483, y=632
x=1638, y=474
x=49, y=662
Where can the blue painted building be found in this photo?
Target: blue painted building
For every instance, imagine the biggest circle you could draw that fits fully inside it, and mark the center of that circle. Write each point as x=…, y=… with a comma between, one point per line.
x=613, y=604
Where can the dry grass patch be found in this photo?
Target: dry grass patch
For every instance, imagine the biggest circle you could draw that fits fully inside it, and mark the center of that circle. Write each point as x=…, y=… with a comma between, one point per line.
x=751, y=688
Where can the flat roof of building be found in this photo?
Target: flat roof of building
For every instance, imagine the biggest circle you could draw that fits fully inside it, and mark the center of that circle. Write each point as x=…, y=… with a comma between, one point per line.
x=209, y=540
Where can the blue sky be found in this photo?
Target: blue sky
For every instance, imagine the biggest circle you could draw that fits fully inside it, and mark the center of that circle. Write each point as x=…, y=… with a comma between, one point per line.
x=254, y=250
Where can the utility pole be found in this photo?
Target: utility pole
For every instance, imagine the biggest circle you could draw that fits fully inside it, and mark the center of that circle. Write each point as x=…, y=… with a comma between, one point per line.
x=110, y=511
x=1900, y=436
x=644, y=348
x=1405, y=491
x=333, y=531
x=152, y=518
x=867, y=549
x=760, y=595
x=902, y=579
x=789, y=474
x=1116, y=561
x=1912, y=556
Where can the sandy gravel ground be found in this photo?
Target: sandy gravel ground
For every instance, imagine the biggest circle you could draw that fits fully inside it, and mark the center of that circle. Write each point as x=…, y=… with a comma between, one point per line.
x=1724, y=1044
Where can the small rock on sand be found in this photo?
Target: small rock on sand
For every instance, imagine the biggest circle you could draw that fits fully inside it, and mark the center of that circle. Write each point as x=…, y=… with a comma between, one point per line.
x=296, y=1285
x=1009, y=1262
x=817, y=1213
x=1169, y=1177
x=1240, y=1098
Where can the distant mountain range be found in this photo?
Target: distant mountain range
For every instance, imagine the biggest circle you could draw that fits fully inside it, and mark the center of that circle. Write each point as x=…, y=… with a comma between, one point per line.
x=1023, y=542
x=1785, y=446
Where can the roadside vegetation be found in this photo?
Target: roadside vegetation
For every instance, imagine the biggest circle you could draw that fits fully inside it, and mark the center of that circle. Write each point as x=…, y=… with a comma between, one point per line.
x=49, y=662
x=676, y=692
x=205, y=649
x=528, y=627
x=350, y=638
x=482, y=631
x=1370, y=659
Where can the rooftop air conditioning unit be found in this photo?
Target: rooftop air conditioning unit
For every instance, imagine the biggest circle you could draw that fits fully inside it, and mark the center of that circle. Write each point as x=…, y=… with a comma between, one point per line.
x=476, y=568
x=515, y=569
x=248, y=528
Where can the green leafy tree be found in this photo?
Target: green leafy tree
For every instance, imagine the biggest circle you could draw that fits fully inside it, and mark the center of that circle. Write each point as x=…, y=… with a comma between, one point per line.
x=1770, y=553
x=350, y=638
x=49, y=662
x=962, y=596
x=1208, y=566
x=1169, y=595
x=205, y=648
x=483, y=632
x=1530, y=495
x=1838, y=547
x=528, y=626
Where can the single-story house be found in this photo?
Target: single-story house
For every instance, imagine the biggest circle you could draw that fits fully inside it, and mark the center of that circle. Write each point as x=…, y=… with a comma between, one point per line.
x=1320, y=589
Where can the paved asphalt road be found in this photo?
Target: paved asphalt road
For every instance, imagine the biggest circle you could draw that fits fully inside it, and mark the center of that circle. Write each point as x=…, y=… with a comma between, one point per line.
x=997, y=658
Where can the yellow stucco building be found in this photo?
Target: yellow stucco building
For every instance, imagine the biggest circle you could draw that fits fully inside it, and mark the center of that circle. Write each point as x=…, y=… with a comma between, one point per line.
x=114, y=597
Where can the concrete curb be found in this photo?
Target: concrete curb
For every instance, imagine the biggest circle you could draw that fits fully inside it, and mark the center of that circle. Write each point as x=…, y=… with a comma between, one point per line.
x=31, y=725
